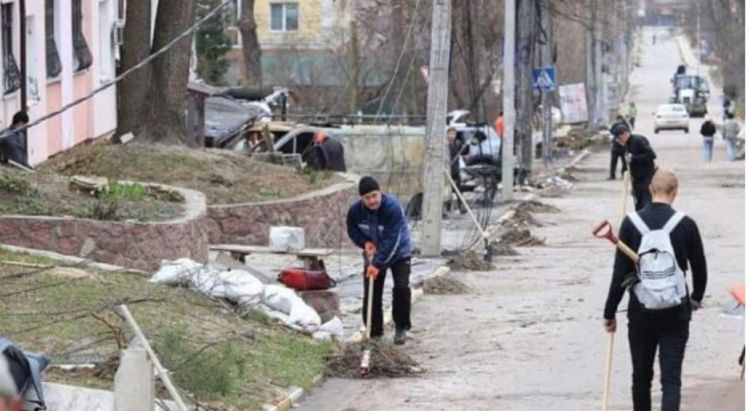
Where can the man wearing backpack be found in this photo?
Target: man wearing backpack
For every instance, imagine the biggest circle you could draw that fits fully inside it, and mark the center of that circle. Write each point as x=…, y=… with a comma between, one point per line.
x=660, y=305
x=640, y=158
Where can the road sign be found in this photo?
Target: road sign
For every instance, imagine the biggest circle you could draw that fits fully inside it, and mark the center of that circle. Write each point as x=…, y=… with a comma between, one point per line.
x=544, y=79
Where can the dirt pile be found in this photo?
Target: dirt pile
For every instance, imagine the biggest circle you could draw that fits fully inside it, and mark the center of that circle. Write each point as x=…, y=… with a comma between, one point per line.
x=385, y=361
x=534, y=206
x=524, y=218
x=443, y=285
x=520, y=237
x=502, y=249
x=469, y=261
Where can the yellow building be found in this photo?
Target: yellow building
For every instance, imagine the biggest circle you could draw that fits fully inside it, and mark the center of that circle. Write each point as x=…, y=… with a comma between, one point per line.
x=306, y=24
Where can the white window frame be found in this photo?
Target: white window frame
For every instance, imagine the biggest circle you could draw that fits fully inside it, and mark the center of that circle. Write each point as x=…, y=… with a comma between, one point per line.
x=106, y=49
x=283, y=16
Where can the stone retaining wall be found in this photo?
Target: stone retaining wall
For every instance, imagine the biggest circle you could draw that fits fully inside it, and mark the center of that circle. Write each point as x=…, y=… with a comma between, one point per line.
x=321, y=213
x=133, y=245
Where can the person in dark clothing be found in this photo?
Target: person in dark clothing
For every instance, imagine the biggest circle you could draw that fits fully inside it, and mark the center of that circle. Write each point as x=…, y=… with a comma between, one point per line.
x=329, y=153
x=376, y=223
x=666, y=329
x=618, y=151
x=640, y=158
x=13, y=140
x=456, y=148
x=708, y=130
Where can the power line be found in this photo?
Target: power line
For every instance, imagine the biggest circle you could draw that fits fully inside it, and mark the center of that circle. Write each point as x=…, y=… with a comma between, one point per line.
x=127, y=72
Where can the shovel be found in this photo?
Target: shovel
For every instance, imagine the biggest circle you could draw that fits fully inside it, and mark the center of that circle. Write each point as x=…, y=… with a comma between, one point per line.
x=604, y=230
x=364, y=366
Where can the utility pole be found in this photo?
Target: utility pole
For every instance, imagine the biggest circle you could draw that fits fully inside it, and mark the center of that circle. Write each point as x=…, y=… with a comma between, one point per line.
x=437, y=107
x=527, y=30
x=546, y=62
x=591, y=85
x=509, y=97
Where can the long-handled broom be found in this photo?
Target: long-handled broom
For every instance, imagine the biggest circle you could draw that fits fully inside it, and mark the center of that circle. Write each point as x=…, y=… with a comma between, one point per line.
x=364, y=366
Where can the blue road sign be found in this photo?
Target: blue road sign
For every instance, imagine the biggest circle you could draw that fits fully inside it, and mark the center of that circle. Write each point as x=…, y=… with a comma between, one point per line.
x=544, y=79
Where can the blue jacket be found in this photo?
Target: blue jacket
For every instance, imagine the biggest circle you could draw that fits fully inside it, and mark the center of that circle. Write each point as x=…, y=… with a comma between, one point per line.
x=386, y=227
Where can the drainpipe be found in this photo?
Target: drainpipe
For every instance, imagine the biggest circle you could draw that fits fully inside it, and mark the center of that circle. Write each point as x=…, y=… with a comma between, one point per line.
x=22, y=21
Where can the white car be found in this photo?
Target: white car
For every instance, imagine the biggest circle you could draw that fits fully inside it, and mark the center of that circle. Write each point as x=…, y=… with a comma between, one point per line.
x=671, y=117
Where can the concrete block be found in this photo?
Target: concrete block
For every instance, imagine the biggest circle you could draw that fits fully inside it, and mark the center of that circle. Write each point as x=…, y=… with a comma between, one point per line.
x=134, y=380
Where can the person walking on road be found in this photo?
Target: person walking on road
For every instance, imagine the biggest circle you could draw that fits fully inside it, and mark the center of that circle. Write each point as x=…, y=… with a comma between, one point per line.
x=730, y=134
x=640, y=159
x=632, y=112
x=376, y=224
x=617, y=151
x=652, y=323
x=708, y=130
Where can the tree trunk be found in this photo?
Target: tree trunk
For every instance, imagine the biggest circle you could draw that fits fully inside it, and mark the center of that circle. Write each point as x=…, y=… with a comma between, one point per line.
x=170, y=73
x=133, y=89
x=525, y=35
x=250, y=46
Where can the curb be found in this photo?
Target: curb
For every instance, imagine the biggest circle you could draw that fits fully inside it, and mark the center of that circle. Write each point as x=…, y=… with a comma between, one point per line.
x=70, y=259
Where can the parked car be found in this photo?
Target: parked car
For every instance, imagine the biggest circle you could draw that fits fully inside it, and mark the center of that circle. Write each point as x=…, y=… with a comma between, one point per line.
x=671, y=117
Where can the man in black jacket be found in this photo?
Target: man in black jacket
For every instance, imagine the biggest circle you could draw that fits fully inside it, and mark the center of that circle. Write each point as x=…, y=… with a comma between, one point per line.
x=667, y=328
x=640, y=158
x=329, y=153
x=13, y=140
x=618, y=151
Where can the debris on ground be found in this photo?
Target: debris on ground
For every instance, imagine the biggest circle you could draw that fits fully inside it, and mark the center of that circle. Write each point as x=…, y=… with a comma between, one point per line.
x=385, y=361
x=503, y=249
x=520, y=237
x=444, y=285
x=523, y=217
x=469, y=261
x=534, y=206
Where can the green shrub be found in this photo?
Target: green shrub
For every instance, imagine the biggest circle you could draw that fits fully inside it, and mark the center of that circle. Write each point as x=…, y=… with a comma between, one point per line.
x=210, y=372
x=15, y=185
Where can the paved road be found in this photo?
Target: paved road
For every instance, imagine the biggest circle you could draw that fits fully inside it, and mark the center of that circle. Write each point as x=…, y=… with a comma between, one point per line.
x=529, y=336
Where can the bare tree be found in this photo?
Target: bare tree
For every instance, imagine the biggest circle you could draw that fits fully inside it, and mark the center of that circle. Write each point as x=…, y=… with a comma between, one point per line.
x=133, y=89
x=166, y=102
x=250, y=46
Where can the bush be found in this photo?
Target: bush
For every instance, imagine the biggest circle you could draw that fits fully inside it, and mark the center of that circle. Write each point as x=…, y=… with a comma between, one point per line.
x=15, y=185
x=209, y=372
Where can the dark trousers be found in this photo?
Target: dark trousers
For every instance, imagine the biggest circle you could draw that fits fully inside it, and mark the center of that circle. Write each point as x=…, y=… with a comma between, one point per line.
x=670, y=336
x=401, y=307
x=617, y=155
x=631, y=120
x=641, y=194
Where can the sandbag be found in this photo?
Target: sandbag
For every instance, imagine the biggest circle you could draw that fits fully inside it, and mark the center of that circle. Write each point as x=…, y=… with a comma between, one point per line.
x=286, y=301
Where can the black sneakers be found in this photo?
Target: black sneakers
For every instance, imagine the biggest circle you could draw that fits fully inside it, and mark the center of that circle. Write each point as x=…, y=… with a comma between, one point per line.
x=400, y=337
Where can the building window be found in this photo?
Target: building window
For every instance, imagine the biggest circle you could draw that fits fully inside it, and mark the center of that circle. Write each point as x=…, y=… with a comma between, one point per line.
x=284, y=16
x=54, y=65
x=12, y=76
x=81, y=53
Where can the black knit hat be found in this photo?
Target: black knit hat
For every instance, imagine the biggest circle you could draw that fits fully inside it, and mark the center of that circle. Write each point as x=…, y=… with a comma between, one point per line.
x=367, y=185
x=619, y=129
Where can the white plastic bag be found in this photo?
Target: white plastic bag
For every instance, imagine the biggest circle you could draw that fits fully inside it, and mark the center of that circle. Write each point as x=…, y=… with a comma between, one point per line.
x=285, y=300
x=284, y=239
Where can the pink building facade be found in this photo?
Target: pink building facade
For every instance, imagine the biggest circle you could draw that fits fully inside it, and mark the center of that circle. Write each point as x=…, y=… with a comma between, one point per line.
x=71, y=48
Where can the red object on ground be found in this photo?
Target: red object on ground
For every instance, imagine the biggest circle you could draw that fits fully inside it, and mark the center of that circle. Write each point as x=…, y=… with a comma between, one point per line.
x=302, y=279
x=738, y=292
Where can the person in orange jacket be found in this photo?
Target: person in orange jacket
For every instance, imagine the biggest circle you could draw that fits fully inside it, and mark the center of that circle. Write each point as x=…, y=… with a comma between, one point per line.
x=500, y=124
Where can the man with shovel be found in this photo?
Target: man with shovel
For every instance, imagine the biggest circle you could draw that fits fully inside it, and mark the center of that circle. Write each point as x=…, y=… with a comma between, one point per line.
x=640, y=158
x=376, y=223
x=658, y=316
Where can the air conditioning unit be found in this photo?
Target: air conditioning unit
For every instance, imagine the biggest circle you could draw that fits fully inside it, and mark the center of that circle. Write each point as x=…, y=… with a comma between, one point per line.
x=118, y=33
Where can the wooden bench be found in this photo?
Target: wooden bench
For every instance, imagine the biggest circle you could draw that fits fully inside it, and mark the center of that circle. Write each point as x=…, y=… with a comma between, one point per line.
x=312, y=257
